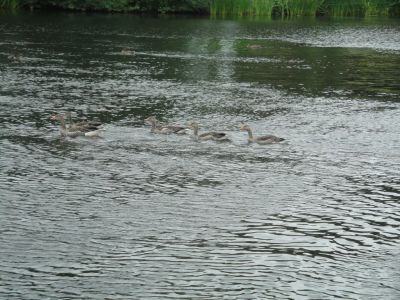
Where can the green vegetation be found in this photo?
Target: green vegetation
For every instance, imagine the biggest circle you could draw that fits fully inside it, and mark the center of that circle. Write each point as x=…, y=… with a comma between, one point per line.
x=139, y=6
x=294, y=8
x=242, y=7
x=221, y=8
x=8, y=4
x=269, y=8
x=358, y=7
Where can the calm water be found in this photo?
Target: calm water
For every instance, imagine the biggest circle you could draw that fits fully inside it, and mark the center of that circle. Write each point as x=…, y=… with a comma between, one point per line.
x=132, y=215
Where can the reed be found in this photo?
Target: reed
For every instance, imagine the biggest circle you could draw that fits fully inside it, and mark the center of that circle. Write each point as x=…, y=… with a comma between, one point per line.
x=240, y=8
x=345, y=7
x=8, y=4
x=294, y=8
x=358, y=7
x=285, y=8
x=380, y=7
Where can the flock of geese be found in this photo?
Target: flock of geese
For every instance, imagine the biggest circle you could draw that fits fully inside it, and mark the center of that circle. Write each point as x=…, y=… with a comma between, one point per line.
x=93, y=128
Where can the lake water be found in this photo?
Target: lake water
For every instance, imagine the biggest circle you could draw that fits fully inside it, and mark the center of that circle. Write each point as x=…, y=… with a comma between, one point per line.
x=135, y=215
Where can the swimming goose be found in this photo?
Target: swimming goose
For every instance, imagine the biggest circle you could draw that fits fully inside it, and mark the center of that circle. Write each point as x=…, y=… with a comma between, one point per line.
x=75, y=131
x=254, y=46
x=127, y=51
x=167, y=129
x=15, y=57
x=262, y=140
x=82, y=124
x=215, y=136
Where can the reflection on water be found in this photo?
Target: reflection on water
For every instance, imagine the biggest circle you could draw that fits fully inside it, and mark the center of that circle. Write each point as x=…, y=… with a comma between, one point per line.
x=137, y=215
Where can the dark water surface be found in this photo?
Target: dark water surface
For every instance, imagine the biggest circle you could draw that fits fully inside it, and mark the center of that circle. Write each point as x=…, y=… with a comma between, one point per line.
x=132, y=215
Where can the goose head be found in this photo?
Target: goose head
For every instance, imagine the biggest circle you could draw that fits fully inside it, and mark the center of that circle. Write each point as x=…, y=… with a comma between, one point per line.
x=244, y=128
x=150, y=120
x=192, y=125
x=56, y=117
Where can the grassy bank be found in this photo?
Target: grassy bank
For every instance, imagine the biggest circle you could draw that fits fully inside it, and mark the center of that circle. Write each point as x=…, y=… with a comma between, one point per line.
x=223, y=8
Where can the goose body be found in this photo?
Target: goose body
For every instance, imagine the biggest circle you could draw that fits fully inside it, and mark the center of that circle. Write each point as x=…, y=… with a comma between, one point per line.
x=262, y=140
x=127, y=51
x=254, y=46
x=78, y=129
x=15, y=57
x=166, y=129
x=82, y=125
x=212, y=135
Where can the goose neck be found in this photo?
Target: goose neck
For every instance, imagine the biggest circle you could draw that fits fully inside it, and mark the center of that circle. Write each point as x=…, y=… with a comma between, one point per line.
x=153, y=125
x=196, y=131
x=62, y=121
x=250, y=134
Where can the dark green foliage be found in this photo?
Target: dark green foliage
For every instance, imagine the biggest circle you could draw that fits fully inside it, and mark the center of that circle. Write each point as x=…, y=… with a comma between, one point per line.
x=172, y=5
x=8, y=4
x=150, y=6
x=394, y=9
x=98, y=5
